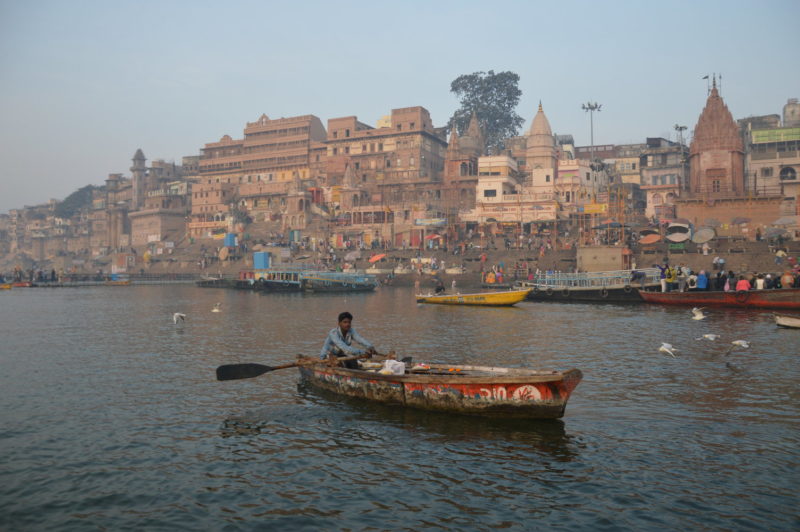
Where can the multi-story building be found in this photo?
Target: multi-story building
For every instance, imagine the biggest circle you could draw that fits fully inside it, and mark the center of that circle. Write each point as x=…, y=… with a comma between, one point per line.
x=663, y=169
x=396, y=168
x=233, y=172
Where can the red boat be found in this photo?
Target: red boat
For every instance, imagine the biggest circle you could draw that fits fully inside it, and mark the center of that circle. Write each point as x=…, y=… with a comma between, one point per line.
x=477, y=390
x=782, y=298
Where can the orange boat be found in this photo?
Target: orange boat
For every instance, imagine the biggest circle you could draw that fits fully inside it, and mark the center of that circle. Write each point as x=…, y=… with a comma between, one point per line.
x=780, y=298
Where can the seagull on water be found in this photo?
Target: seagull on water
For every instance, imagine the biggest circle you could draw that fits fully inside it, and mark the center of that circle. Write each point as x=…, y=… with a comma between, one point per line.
x=697, y=313
x=668, y=349
x=216, y=307
x=178, y=317
x=711, y=337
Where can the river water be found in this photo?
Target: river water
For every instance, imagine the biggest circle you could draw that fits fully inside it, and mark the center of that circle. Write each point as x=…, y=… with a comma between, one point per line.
x=112, y=418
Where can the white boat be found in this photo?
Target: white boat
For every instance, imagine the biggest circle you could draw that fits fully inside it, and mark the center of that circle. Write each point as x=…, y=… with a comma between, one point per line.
x=789, y=322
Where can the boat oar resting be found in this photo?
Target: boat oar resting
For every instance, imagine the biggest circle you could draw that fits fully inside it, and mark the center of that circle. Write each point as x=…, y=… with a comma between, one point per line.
x=232, y=372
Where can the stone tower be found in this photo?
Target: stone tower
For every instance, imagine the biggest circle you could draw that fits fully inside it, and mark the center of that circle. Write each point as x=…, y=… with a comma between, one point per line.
x=541, y=157
x=716, y=155
x=138, y=171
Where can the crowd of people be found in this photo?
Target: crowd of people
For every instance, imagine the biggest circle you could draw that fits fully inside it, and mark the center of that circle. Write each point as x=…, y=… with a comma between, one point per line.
x=683, y=279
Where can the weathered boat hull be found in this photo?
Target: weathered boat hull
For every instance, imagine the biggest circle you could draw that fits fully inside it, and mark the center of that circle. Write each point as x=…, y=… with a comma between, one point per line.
x=623, y=294
x=491, y=299
x=478, y=391
x=789, y=322
x=784, y=298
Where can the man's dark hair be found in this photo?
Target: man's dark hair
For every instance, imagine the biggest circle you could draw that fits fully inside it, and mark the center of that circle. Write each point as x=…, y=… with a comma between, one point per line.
x=345, y=315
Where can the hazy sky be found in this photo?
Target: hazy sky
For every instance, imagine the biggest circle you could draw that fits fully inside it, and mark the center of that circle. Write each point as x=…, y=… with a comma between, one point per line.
x=83, y=84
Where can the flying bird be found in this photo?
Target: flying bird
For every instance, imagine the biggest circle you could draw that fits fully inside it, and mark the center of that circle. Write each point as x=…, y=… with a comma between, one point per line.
x=697, y=313
x=178, y=317
x=711, y=337
x=217, y=307
x=668, y=349
x=737, y=343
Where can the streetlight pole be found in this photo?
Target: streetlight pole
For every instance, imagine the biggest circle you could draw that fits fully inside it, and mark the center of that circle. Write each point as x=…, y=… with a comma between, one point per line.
x=591, y=107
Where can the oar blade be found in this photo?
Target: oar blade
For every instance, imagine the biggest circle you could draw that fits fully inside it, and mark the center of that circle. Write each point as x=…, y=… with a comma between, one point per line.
x=232, y=372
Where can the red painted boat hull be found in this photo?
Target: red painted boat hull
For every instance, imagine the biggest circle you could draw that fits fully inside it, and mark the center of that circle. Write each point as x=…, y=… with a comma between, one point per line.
x=542, y=396
x=784, y=298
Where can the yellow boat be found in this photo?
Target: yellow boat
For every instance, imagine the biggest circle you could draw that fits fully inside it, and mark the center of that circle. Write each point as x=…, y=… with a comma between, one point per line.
x=491, y=299
x=5, y=286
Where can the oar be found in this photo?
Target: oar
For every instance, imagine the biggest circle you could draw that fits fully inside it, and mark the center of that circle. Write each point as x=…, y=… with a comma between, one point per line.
x=230, y=372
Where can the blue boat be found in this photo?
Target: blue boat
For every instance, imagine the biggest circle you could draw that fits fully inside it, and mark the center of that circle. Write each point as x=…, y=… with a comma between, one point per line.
x=308, y=280
x=319, y=281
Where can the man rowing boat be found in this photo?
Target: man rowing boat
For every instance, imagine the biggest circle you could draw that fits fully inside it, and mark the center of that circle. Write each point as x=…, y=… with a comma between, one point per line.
x=339, y=343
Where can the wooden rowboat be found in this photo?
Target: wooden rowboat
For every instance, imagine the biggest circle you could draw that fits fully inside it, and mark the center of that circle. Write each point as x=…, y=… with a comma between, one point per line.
x=783, y=298
x=5, y=286
x=790, y=322
x=492, y=299
x=476, y=390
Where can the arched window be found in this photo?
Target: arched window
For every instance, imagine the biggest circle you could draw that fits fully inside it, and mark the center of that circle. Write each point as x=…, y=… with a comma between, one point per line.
x=657, y=199
x=463, y=169
x=670, y=198
x=788, y=173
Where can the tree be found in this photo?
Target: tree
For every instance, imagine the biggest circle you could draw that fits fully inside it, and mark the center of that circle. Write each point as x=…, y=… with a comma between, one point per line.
x=75, y=202
x=494, y=98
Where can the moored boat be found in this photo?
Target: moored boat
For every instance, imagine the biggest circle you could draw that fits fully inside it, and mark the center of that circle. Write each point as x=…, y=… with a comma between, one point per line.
x=491, y=299
x=616, y=286
x=5, y=286
x=476, y=390
x=782, y=298
x=789, y=322
x=319, y=281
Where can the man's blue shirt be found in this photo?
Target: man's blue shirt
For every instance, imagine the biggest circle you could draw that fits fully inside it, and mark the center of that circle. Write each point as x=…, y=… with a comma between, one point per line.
x=337, y=344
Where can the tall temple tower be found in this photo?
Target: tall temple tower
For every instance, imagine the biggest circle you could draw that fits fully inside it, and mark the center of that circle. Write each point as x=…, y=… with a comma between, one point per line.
x=138, y=171
x=716, y=155
x=540, y=154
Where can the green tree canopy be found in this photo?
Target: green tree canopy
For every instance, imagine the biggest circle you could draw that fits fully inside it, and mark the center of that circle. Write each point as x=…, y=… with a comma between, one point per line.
x=494, y=98
x=75, y=202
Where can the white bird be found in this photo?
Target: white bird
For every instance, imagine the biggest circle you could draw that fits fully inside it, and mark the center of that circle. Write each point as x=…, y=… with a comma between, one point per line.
x=178, y=317
x=697, y=313
x=216, y=307
x=737, y=343
x=711, y=337
x=668, y=349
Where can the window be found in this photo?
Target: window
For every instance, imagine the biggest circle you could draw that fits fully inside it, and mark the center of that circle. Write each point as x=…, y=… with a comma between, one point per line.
x=715, y=185
x=399, y=127
x=335, y=151
x=388, y=163
x=347, y=149
x=633, y=166
x=380, y=146
x=346, y=132
x=588, y=177
x=411, y=125
x=766, y=172
x=490, y=193
x=547, y=178
x=363, y=148
x=358, y=165
x=788, y=173
x=335, y=134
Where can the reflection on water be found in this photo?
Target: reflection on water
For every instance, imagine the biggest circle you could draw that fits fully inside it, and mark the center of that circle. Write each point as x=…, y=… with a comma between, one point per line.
x=120, y=424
